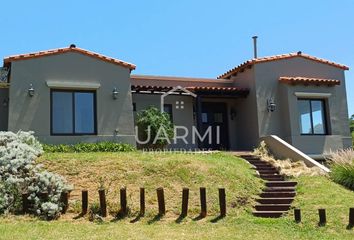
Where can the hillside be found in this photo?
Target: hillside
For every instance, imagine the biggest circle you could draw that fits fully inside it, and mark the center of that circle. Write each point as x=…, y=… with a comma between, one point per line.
x=174, y=171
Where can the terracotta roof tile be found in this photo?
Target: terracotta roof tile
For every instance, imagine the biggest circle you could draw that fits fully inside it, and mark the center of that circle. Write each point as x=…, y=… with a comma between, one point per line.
x=306, y=80
x=251, y=62
x=10, y=59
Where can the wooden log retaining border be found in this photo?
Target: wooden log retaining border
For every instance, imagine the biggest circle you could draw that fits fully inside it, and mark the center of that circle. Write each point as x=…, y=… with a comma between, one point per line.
x=161, y=201
x=103, y=205
x=297, y=215
x=203, y=204
x=185, y=196
x=64, y=199
x=222, y=202
x=84, y=202
x=123, y=201
x=322, y=217
x=142, y=202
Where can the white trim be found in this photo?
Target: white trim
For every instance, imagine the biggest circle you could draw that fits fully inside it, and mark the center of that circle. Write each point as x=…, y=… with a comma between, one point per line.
x=72, y=85
x=313, y=95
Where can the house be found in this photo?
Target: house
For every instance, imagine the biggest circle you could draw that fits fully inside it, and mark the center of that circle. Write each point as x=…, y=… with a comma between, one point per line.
x=71, y=95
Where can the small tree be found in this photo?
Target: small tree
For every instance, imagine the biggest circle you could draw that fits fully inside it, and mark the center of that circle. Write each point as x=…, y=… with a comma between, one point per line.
x=155, y=128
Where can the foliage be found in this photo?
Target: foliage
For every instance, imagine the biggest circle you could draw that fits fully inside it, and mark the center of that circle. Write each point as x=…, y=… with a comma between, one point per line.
x=155, y=127
x=89, y=147
x=19, y=174
x=342, y=167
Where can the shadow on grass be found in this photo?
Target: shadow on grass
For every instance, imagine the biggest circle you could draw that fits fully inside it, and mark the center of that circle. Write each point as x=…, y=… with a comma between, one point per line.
x=218, y=218
x=180, y=218
x=350, y=227
x=81, y=215
x=120, y=216
x=198, y=218
x=137, y=218
x=155, y=219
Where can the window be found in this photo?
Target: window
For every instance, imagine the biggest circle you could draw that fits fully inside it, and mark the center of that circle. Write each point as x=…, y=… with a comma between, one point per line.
x=134, y=107
x=312, y=116
x=73, y=112
x=167, y=108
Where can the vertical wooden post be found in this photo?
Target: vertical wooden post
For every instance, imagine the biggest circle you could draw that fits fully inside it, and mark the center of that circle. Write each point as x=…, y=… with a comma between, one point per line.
x=25, y=203
x=161, y=201
x=185, y=196
x=322, y=216
x=103, y=205
x=64, y=198
x=297, y=215
x=222, y=202
x=142, y=201
x=351, y=217
x=44, y=196
x=203, y=204
x=123, y=200
x=84, y=199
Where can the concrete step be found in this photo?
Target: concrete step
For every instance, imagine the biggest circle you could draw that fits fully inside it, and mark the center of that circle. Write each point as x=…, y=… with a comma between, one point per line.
x=272, y=207
x=281, y=184
x=279, y=189
x=270, y=172
x=260, y=168
x=275, y=200
x=272, y=177
x=269, y=214
x=277, y=194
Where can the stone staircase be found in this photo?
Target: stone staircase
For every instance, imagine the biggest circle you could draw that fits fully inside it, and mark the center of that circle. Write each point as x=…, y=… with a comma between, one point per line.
x=278, y=194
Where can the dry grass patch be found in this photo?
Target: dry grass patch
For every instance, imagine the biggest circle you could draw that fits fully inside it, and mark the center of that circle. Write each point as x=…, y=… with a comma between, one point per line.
x=171, y=171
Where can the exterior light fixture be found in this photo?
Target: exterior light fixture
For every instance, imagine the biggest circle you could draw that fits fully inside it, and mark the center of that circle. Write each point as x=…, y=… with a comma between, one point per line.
x=31, y=90
x=271, y=106
x=115, y=93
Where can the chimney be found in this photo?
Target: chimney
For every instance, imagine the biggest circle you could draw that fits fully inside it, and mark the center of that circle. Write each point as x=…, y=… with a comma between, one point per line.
x=255, y=46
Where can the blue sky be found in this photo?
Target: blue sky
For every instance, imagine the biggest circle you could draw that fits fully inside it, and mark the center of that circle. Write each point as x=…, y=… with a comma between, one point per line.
x=196, y=38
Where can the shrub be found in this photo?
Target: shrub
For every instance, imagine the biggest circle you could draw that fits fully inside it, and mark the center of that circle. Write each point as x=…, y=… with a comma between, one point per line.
x=155, y=127
x=89, y=147
x=342, y=167
x=19, y=173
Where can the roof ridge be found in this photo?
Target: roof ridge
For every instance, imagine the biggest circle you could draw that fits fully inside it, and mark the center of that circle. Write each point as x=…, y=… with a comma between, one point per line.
x=49, y=52
x=279, y=57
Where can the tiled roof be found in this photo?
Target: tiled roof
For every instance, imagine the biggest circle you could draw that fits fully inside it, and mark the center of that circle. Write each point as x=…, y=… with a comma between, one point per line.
x=72, y=48
x=251, y=62
x=306, y=80
x=211, y=89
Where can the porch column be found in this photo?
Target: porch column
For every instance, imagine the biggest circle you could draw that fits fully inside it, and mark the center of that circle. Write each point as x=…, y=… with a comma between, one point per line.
x=199, y=116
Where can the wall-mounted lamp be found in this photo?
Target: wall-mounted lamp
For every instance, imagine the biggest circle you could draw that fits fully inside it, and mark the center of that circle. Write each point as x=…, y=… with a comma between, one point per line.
x=115, y=93
x=5, y=102
x=232, y=113
x=271, y=106
x=31, y=90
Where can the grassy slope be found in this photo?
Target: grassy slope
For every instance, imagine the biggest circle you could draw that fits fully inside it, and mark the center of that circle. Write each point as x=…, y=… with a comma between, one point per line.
x=169, y=171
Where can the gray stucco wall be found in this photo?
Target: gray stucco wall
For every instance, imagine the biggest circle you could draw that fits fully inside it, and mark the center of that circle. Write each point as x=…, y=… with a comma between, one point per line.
x=4, y=110
x=284, y=122
x=181, y=117
x=33, y=113
x=246, y=127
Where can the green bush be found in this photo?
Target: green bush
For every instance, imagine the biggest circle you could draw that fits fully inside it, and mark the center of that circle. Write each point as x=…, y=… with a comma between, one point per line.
x=343, y=174
x=342, y=167
x=154, y=127
x=89, y=147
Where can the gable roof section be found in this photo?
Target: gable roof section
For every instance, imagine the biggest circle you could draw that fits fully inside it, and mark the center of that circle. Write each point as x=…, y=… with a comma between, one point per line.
x=251, y=62
x=72, y=48
x=308, y=81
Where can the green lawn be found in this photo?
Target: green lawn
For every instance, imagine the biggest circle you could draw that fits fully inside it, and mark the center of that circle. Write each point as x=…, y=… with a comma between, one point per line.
x=173, y=172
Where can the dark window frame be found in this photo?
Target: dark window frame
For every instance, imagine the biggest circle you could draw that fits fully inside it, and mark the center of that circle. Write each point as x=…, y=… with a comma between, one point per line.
x=73, y=109
x=171, y=113
x=325, y=116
